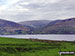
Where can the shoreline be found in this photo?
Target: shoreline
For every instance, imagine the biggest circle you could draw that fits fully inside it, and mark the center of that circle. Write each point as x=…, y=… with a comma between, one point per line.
x=40, y=40
x=47, y=41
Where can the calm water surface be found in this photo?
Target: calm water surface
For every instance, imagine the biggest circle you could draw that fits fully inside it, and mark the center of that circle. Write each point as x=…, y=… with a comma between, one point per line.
x=43, y=37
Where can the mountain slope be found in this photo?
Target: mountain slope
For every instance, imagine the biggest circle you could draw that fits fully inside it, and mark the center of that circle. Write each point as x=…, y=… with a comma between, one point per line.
x=36, y=24
x=8, y=27
x=60, y=27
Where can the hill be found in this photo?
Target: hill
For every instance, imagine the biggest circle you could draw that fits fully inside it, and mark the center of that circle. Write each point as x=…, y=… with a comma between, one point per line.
x=8, y=27
x=66, y=26
x=36, y=24
x=60, y=27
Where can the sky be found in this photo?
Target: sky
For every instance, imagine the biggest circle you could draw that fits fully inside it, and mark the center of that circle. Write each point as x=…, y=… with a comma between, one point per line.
x=26, y=10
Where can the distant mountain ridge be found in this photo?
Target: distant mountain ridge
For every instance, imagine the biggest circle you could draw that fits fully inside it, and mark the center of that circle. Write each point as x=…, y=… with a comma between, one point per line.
x=60, y=27
x=8, y=27
x=36, y=24
x=66, y=26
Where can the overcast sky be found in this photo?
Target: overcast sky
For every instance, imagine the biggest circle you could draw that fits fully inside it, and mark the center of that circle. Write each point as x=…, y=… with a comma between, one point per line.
x=24, y=10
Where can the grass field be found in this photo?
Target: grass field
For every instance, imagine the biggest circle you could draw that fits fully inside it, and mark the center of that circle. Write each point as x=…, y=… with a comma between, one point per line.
x=23, y=47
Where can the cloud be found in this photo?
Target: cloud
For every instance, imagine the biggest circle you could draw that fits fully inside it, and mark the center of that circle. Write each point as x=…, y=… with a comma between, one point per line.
x=36, y=9
x=25, y=3
x=2, y=7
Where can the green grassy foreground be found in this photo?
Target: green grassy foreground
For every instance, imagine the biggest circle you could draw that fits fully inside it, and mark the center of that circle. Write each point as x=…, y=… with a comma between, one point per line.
x=23, y=47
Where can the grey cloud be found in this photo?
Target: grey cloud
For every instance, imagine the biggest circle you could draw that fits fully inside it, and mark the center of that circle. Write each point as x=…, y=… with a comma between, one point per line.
x=42, y=10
